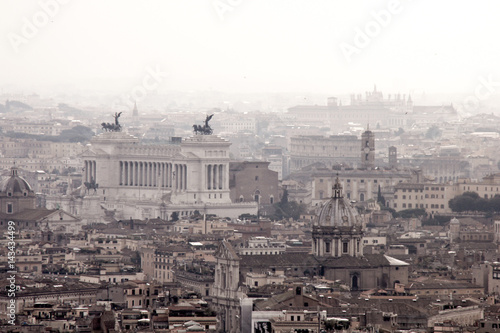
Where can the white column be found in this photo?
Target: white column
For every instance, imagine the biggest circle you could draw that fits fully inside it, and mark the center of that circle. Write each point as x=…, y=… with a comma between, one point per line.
x=120, y=167
x=149, y=179
x=126, y=173
x=136, y=173
x=216, y=176
x=91, y=173
x=214, y=186
x=155, y=174
x=185, y=177
x=139, y=173
x=86, y=171
x=131, y=173
x=162, y=174
x=209, y=177
x=180, y=176
x=221, y=177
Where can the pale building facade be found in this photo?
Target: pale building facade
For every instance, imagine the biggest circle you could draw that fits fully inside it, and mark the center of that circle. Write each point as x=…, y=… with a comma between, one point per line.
x=306, y=150
x=434, y=198
x=149, y=181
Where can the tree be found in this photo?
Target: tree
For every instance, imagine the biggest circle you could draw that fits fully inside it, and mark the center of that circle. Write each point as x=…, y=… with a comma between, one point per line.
x=380, y=197
x=174, y=217
x=399, y=132
x=465, y=202
x=284, y=198
x=391, y=210
x=433, y=132
x=417, y=212
x=288, y=209
x=470, y=201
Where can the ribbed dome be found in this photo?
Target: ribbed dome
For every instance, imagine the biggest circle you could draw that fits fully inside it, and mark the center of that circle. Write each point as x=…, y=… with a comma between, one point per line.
x=15, y=185
x=337, y=211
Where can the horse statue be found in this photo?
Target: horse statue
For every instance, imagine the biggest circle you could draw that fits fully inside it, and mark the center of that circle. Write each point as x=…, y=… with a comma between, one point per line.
x=108, y=127
x=205, y=129
x=91, y=185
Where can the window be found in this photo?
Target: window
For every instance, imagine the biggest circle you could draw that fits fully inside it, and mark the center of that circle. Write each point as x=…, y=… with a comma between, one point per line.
x=327, y=247
x=345, y=247
x=256, y=177
x=9, y=208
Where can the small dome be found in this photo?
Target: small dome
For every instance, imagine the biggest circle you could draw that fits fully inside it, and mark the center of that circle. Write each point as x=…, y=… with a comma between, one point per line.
x=338, y=211
x=15, y=185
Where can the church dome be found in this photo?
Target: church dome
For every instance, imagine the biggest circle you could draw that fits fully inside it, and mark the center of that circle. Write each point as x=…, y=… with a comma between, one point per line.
x=15, y=185
x=338, y=211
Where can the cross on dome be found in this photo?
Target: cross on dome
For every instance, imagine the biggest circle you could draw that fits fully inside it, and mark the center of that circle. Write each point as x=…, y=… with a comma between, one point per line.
x=337, y=189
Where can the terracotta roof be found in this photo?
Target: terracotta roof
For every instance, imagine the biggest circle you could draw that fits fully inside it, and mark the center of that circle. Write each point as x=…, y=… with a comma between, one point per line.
x=28, y=214
x=279, y=260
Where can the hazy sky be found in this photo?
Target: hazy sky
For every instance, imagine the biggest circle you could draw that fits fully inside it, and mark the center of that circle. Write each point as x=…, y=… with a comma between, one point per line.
x=250, y=45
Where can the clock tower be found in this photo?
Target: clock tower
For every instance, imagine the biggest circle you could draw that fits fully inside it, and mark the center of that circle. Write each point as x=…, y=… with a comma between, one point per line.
x=367, y=149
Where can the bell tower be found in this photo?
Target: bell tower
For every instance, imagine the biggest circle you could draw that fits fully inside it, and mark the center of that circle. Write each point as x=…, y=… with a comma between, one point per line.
x=367, y=149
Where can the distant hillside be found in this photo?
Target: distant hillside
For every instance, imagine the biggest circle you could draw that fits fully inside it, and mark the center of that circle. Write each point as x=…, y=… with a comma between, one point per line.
x=14, y=106
x=76, y=134
x=69, y=109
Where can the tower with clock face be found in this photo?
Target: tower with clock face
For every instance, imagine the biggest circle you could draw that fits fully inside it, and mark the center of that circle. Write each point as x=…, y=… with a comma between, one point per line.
x=367, y=150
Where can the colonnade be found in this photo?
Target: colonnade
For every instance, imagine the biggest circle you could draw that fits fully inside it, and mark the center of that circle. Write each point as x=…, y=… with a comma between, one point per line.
x=215, y=176
x=90, y=171
x=153, y=174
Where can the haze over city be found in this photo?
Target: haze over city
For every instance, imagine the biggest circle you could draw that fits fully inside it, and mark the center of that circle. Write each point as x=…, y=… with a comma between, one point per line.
x=250, y=46
x=249, y=166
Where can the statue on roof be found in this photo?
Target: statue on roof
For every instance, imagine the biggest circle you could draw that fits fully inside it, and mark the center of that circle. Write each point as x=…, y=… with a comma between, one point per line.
x=92, y=185
x=205, y=129
x=116, y=127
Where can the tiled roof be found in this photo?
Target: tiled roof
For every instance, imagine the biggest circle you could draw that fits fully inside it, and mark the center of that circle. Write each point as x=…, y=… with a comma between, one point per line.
x=279, y=260
x=28, y=214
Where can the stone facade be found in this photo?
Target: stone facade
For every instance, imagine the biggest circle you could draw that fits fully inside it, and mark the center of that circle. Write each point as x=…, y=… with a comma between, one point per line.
x=150, y=181
x=253, y=182
x=335, y=149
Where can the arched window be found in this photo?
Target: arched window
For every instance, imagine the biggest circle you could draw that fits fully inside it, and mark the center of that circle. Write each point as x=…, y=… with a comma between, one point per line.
x=257, y=196
x=362, y=197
